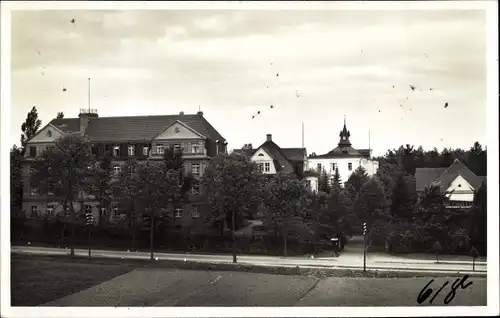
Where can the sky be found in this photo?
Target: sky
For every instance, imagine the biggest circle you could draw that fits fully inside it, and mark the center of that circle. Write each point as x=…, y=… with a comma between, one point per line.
x=314, y=67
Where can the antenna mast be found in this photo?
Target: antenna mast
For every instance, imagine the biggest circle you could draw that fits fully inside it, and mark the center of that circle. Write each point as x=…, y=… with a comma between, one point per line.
x=369, y=146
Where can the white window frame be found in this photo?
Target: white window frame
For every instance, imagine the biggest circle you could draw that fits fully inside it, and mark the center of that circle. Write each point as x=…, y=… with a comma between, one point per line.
x=116, y=151
x=160, y=149
x=145, y=150
x=195, y=214
x=318, y=166
x=178, y=213
x=267, y=167
x=334, y=166
x=116, y=169
x=177, y=147
x=34, y=211
x=349, y=166
x=103, y=211
x=195, y=148
x=309, y=184
x=131, y=150
x=195, y=168
x=260, y=167
x=49, y=210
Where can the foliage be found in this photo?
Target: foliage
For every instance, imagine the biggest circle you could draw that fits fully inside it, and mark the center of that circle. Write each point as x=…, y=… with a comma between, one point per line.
x=336, y=179
x=99, y=183
x=357, y=179
x=401, y=200
x=340, y=212
x=478, y=219
x=30, y=127
x=62, y=171
x=323, y=182
x=286, y=199
x=232, y=186
x=371, y=207
x=16, y=181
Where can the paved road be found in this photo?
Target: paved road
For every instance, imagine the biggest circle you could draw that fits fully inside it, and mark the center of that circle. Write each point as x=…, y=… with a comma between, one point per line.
x=349, y=261
x=172, y=287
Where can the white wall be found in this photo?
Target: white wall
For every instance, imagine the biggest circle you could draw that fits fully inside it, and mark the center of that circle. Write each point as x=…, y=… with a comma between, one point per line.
x=371, y=166
x=261, y=156
x=462, y=190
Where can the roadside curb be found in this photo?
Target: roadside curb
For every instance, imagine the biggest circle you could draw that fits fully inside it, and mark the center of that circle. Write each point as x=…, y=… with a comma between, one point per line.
x=303, y=270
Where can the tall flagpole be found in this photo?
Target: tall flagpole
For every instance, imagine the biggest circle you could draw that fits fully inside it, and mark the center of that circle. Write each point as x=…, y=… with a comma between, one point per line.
x=302, y=134
x=89, y=95
x=369, y=146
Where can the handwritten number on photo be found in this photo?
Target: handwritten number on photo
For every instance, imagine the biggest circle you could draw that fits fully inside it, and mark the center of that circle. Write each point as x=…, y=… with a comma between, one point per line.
x=426, y=292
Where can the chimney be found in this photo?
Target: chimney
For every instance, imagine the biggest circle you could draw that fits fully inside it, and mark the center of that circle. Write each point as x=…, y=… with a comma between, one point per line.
x=181, y=113
x=200, y=113
x=269, y=137
x=85, y=115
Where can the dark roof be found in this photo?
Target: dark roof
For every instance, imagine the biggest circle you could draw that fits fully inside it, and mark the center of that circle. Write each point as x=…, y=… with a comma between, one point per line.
x=365, y=152
x=342, y=152
x=284, y=158
x=444, y=176
x=281, y=162
x=425, y=176
x=294, y=154
x=135, y=128
x=67, y=124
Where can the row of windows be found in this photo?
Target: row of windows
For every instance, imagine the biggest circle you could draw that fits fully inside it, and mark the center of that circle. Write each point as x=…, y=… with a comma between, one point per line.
x=334, y=166
x=49, y=211
x=195, y=169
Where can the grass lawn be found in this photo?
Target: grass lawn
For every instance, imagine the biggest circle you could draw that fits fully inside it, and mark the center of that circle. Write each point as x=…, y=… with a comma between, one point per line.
x=36, y=280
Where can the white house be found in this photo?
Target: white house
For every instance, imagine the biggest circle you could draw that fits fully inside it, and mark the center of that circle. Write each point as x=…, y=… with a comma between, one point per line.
x=344, y=157
x=457, y=180
x=271, y=159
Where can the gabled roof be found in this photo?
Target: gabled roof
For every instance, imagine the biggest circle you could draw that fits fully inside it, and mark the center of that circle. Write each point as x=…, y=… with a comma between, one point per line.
x=281, y=162
x=135, y=128
x=445, y=176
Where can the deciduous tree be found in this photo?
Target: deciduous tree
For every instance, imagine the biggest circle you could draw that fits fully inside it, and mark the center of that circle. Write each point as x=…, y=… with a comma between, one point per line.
x=62, y=171
x=30, y=127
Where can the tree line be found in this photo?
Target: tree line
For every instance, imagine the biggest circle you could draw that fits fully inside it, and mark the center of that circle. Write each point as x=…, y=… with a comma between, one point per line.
x=232, y=191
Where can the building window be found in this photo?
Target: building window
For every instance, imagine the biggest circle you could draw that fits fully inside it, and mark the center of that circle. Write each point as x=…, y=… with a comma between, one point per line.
x=319, y=167
x=349, y=166
x=267, y=167
x=116, y=169
x=145, y=150
x=334, y=166
x=178, y=213
x=195, y=169
x=115, y=210
x=103, y=211
x=49, y=134
x=159, y=149
x=260, y=167
x=459, y=185
x=33, y=152
x=177, y=147
x=195, y=189
x=49, y=211
x=194, y=212
x=131, y=150
x=195, y=148
x=33, y=190
x=88, y=209
x=308, y=184
x=34, y=211
x=116, y=150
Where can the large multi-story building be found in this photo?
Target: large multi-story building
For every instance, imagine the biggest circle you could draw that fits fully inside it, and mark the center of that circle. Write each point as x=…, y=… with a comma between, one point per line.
x=345, y=158
x=271, y=159
x=139, y=137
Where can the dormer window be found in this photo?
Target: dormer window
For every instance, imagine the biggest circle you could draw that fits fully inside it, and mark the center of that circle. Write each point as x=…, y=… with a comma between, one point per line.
x=459, y=185
x=131, y=150
x=145, y=150
x=116, y=150
x=261, y=155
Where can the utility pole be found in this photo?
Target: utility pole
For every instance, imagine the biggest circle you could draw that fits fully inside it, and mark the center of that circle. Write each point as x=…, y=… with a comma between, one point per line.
x=364, y=249
x=89, y=221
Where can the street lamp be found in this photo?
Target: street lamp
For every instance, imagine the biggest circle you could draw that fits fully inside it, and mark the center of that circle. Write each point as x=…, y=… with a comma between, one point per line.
x=364, y=250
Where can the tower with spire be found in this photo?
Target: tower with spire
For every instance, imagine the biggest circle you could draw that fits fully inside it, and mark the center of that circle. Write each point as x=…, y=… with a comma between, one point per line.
x=344, y=158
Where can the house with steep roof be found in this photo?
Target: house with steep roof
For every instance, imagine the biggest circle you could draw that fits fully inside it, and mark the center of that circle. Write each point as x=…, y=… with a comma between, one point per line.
x=272, y=159
x=138, y=137
x=457, y=180
x=344, y=157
